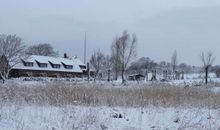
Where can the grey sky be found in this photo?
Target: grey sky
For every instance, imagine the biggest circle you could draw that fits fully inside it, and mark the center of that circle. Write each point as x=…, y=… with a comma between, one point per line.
x=189, y=26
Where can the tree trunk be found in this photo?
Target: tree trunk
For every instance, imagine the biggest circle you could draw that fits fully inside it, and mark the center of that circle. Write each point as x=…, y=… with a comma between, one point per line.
x=95, y=77
x=109, y=75
x=146, y=75
x=122, y=76
x=116, y=74
x=2, y=77
x=182, y=75
x=7, y=74
x=206, y=75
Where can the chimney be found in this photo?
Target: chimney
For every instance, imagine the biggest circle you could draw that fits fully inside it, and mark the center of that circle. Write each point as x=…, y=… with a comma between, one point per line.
x=65, y=56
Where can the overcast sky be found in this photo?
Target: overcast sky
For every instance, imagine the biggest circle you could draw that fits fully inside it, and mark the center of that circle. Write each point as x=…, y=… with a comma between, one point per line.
x=189, y=26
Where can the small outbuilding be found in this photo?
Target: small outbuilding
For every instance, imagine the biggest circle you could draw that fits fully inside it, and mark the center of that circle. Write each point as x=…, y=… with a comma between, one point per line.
x=136, y=77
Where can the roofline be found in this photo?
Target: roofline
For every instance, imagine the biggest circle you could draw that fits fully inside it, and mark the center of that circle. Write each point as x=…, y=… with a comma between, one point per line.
x=45, y=70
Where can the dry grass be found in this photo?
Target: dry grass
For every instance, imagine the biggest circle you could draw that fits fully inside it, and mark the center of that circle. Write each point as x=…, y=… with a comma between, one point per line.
x=98, y=95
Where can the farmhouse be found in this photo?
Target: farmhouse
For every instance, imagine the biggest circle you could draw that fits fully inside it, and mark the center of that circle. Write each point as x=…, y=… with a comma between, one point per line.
x=45, y=66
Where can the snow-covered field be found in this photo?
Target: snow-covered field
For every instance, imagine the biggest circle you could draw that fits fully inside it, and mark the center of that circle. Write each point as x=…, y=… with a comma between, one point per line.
x=73, y=104
x=107, y=118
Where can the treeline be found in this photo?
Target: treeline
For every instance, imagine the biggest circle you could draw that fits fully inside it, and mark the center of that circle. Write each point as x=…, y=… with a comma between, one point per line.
x=121, y=62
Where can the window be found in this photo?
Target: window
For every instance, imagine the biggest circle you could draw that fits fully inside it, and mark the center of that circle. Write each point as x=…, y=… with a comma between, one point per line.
x=56, y=66
x=29, y=64
x=82, y=66
x=43, y=65
x=69, y=67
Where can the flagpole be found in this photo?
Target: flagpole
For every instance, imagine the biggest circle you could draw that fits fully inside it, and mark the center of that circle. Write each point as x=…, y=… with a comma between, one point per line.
x=85, y=46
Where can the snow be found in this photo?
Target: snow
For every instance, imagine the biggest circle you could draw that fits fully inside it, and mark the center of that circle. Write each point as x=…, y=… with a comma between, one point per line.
x=66, y=61
x=216, y=89
x=98, y=118
x=54, y=61
x=194, y=79
x=45, y=117
x=77, y=61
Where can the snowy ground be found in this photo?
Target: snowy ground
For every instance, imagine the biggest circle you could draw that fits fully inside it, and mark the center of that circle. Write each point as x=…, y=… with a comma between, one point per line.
x=189, y=79
x=16, y=114
x=101, y=118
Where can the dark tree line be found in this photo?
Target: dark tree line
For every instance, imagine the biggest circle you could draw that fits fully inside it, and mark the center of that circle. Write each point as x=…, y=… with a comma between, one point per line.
x=42, y=49
x=142, y=65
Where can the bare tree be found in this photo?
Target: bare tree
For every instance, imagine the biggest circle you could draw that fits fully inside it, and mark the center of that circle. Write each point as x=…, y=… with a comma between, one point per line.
x=11, y=51
x=107, y=66
x=97, y=61
x=163, y=65
x=43, y=49
x=115, y=58
x=125, y=49
x=174, y=63
x=207, y=61
x=4, y=66
x=107, y=62
x=142, y=65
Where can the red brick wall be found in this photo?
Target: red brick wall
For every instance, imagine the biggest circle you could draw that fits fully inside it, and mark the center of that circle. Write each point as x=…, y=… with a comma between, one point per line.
x=37, y=73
